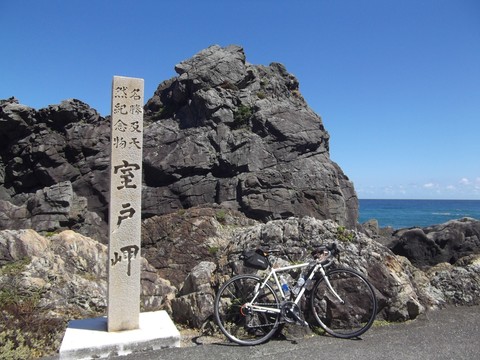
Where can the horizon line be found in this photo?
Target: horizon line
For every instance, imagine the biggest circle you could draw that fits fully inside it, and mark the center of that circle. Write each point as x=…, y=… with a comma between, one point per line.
x=419, y=199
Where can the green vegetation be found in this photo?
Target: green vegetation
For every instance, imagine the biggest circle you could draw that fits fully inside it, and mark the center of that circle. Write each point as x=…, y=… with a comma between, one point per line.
x=213, y=250
x=15, y=268
x=30, y=341
x=261, y=95
x=163, y=112
x=345, y=235
x=381, y=323
x=221, y=216
x=241, y=116
x=181, y=212
x=317, y=330
x=27, y=331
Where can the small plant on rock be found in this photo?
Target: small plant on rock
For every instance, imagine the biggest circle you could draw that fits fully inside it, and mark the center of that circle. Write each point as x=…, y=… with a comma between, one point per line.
x=221, y=216
x=241, y=116
x=345, y=235
x=261, y=95
x=27, y=329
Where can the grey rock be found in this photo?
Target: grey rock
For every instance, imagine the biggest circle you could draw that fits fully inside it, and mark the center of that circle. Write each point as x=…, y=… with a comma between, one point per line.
x=201, y=275
x=223, y=132
x=457, y=284
x=15, y=121
x=69, y=270
x=194, y=305
x=231, y=133
x=50, y=209
x=61, y=144
x=435, y=244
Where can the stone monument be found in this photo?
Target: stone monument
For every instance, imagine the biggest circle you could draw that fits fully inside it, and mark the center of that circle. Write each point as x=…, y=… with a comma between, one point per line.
x=125, y=329
x=125, y=204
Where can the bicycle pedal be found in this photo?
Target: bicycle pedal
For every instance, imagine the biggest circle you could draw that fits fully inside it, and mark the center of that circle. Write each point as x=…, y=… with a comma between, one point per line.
x=298, y=319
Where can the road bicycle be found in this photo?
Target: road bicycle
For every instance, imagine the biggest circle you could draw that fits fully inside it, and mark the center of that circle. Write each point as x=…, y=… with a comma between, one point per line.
x=250, y=309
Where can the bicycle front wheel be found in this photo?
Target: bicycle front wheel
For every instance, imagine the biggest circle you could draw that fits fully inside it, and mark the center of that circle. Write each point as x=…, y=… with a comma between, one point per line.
x=348, y=307
x=238, y=317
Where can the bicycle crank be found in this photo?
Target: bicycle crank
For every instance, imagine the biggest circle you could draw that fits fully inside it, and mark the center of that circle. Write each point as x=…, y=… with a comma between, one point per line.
x=291, y=313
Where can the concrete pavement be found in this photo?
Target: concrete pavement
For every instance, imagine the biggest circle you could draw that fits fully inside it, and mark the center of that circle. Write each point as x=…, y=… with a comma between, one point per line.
x=452, y=333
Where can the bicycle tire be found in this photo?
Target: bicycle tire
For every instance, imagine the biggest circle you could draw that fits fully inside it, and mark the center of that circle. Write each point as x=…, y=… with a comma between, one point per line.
x=355, y=315
x=235, y=321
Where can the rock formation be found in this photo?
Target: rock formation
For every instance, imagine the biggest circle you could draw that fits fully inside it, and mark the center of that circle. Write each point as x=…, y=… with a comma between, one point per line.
x=67, y=271
x=222, y=132
x=53, y=168
x=436, y=244
x=228, y=132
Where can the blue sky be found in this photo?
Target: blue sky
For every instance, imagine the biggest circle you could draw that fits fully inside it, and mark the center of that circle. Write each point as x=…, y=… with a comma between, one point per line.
x=397, y=83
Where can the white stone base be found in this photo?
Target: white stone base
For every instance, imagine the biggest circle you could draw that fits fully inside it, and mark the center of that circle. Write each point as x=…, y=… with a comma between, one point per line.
x=89, y=338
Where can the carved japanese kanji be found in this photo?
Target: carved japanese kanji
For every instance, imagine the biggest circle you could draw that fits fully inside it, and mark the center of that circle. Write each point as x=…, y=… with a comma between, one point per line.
x=125, y=204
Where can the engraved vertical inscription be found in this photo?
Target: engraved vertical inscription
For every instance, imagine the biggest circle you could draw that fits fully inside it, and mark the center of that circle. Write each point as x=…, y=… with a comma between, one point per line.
x=125, y=204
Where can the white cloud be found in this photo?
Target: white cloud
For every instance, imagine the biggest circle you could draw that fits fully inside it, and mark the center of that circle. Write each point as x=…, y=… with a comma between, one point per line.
x=464, y=188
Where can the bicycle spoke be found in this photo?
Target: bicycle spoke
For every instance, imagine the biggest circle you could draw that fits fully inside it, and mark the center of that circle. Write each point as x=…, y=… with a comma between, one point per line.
x=243, y=324
x=353, y=315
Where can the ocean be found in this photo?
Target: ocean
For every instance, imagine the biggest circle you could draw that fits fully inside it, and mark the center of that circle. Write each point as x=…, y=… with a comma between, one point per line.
x=408, y=213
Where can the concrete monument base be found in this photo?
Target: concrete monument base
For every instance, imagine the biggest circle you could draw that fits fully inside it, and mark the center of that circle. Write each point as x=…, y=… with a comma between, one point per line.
x=89, y=338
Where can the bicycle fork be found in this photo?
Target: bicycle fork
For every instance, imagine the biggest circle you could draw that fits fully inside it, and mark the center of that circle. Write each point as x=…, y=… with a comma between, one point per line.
x=332, y=290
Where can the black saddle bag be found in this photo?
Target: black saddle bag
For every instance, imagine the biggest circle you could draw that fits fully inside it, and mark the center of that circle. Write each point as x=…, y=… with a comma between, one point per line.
x=254, y=259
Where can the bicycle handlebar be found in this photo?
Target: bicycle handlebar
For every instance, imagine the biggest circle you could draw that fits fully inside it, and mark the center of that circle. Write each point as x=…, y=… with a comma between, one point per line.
x=323, y=253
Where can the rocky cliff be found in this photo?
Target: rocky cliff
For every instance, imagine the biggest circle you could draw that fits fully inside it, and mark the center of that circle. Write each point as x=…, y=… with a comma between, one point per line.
x=223, y=131
x=228, y=132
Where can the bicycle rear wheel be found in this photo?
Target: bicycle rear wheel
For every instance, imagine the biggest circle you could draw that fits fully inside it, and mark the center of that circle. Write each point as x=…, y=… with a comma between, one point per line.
x=239, y=323
x=353, y=315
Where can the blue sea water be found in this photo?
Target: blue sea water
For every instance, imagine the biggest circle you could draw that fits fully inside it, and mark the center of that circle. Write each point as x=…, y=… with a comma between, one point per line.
x=408, y=213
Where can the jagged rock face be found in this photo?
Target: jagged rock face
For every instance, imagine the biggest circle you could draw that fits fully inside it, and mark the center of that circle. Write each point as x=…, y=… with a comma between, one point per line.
x=228, y=132
x=53, y=168
x=69, y=270
x=436, y=244
x=223, y=132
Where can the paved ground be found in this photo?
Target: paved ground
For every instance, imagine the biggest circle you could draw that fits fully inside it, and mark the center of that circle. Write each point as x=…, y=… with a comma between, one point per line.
x=452, y=333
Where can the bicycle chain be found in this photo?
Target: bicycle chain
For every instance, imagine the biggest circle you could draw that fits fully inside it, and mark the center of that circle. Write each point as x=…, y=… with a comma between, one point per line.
x=265, y=325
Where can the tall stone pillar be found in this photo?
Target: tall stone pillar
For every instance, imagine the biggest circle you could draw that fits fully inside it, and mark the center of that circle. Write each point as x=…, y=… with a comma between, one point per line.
x=125, y=204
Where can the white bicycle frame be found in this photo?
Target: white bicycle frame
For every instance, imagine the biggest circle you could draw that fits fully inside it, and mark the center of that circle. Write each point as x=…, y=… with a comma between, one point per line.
x=273, y=272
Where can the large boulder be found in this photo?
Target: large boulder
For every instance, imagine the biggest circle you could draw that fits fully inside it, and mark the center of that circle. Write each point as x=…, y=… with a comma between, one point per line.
x=194, y=305
x=240, y=135
x=436, y=244
x=52, y=209
x=176, y=243
x=457, y=284
x=393, y=277
x=53, y=168
x=69, y=270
